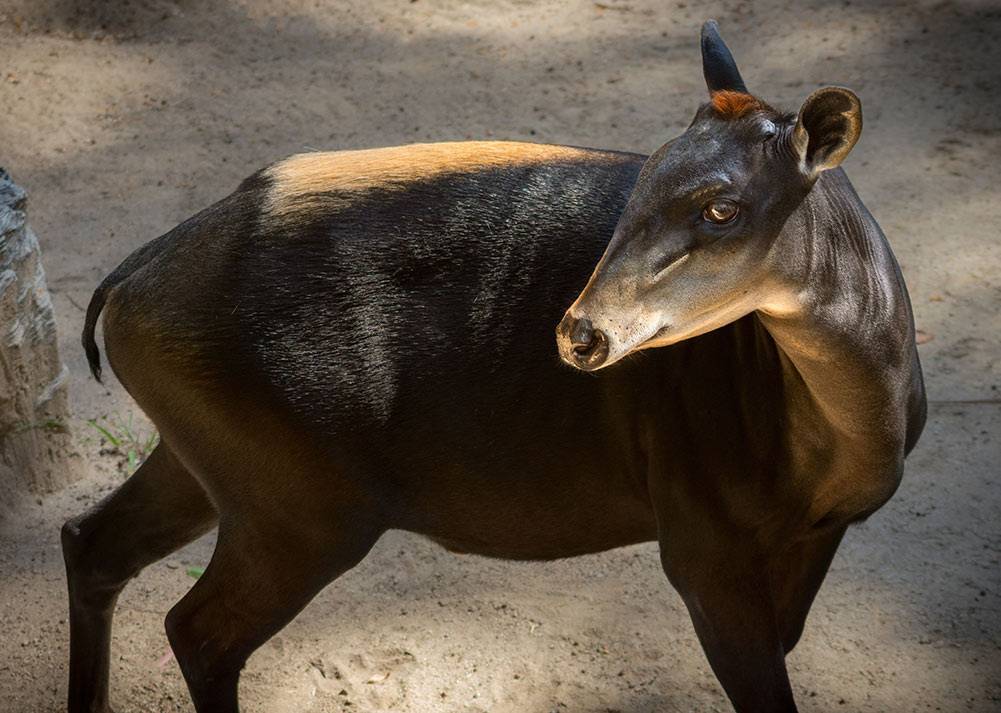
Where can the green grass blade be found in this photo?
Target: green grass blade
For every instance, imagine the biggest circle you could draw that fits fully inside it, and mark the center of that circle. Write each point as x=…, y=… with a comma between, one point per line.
x=106, y=433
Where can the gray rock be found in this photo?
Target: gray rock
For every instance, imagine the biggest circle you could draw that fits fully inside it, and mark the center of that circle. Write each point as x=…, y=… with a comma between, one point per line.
x=34, y=425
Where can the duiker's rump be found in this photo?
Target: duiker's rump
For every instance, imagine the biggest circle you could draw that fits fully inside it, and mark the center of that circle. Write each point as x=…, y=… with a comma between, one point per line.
x=359, y=341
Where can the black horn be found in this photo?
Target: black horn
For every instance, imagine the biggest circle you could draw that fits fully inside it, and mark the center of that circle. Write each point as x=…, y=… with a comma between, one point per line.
x=720, y=70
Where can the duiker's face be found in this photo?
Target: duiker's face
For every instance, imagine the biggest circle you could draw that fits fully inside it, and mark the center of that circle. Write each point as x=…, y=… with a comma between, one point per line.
x=690, y=251
x=693, y=249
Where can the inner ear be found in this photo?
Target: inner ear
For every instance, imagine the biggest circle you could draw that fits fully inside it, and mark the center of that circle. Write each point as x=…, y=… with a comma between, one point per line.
x=828, y=126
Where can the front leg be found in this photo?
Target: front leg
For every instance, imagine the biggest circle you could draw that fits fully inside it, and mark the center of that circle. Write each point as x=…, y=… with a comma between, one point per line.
x=796, y=576
x=724, y=581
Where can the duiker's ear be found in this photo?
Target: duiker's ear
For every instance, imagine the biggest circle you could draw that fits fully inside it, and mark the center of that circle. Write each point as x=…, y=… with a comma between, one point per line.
x=718, y=66
x=828, y=126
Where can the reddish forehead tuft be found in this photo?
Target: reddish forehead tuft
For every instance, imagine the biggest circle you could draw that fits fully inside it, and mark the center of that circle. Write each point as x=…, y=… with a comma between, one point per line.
x=733, y=105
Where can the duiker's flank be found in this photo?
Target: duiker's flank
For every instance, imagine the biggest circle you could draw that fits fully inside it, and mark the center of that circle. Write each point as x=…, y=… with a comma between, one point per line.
x=359, y=341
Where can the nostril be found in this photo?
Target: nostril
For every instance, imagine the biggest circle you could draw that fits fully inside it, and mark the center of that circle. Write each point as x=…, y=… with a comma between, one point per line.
x=598, y=343
x=593, y=353
x=582, y=335
x=581, y=345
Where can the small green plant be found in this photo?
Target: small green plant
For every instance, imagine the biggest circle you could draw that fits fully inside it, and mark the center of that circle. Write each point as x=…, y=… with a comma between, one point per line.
x=127, y=441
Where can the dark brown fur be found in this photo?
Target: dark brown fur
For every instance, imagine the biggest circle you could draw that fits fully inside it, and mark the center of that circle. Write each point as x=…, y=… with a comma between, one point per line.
x=363, y=341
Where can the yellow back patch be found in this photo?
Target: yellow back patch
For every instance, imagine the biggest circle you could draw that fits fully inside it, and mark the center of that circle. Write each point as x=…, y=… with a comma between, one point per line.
x=301, y=181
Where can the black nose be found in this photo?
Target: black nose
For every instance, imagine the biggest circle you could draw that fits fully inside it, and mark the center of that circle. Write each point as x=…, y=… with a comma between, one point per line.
x=582, y=335
x=588, y=346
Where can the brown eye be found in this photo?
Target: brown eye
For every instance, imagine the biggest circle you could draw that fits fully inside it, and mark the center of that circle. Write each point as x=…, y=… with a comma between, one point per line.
x=720, y=212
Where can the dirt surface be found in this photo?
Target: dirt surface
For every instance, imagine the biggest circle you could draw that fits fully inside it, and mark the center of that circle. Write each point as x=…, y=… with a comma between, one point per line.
x=123, y=118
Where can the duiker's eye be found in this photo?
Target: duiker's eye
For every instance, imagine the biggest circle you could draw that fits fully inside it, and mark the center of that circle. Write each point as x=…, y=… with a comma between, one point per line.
x=720, y=211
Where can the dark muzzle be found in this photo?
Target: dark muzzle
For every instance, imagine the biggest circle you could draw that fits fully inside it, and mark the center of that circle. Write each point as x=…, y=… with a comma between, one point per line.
x=588, y=347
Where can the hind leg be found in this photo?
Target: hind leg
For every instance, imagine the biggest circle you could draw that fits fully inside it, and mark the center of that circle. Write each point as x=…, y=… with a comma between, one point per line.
x=263, y=572
x=156, y=511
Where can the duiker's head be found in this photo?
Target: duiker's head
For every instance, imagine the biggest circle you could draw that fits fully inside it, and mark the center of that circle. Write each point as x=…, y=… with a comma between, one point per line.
x=694, y=248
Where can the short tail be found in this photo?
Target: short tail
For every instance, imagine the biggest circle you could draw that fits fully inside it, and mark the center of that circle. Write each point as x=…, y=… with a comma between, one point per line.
x=132, y=263
x=90, y=324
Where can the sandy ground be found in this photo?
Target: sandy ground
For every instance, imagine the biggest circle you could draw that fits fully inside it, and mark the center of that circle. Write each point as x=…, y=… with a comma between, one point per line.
x=123, y=118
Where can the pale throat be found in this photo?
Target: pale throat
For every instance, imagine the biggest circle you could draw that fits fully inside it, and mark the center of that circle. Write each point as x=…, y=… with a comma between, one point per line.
x=842, y=324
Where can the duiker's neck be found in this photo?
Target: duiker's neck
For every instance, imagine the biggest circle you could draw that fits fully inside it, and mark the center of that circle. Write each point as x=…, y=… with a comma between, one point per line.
x=843, y=320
